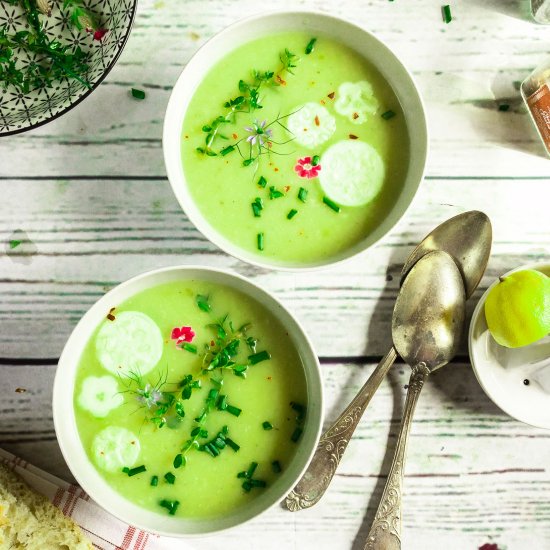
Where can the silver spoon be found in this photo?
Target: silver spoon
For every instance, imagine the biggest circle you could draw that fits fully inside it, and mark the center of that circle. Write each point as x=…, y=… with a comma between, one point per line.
x=467, y=238
x=426, y=330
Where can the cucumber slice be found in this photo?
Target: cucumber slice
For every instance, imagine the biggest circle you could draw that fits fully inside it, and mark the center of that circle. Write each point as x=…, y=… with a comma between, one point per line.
x=353, y=173
x=130, y=343
x=99, y=395
x=356, y=101
x=115, y=448
x=311, y=125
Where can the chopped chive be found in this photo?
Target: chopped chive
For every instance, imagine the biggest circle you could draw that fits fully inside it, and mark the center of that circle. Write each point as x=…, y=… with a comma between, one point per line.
x=274, y=193
x=262, y=182
x=267, y=425
x=178, y=460
x=257, y=483
x=227, y=150
x=310, y=46
x=315, y=160
x=248, y=162
x=170, y=478
x=213, y=449
x=247, y=486
x=170, y=505
x=251, y=469
x=219, y=443
x=503, y=107
x=258, y=357
x=302, y=194
x=300, y=409
x=202, y=302
x=276, y=466
x=260, y=239
x=138, y=94
x=222, y=402
x=134, y=471
x=232, y=444
x=213, y=393
x=388, y=114
x=225, y=430
x=235, y=411
x=14, y=244
x=257, y=207
x=447, y=17
x=154, y=481
x=331, y=204
x=207, y=449
x=241, y=475
x=291, y=214
x=296, y=434
x=189, y=347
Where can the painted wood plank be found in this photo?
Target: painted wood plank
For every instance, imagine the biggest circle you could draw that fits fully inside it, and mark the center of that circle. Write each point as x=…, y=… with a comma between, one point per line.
x=464, y=71
x=90, y=235
x=467, y=478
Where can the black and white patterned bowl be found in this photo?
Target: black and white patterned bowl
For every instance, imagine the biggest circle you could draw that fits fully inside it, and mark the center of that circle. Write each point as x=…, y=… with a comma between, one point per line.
x=22, y=111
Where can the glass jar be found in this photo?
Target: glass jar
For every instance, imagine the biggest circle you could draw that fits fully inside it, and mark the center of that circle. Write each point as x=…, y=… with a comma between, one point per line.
x=535, y=90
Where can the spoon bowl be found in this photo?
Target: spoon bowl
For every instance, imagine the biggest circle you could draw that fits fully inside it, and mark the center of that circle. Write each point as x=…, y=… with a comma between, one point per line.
x=467, y=238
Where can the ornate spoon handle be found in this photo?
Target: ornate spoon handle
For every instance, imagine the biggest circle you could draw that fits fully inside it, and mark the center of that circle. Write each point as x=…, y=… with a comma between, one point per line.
x=385, y=533
x=334, y=441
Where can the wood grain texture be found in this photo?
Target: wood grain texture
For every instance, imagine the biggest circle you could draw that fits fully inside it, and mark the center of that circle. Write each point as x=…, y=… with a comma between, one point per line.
x=92, y=234
x=464, y=71
x=467, y=480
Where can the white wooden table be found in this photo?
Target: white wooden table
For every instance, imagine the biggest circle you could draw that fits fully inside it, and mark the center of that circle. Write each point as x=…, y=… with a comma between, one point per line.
x=90, y=191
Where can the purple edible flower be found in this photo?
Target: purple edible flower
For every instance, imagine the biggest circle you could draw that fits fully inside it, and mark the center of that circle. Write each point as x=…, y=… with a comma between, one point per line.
x=258, y=133
x=149, y=396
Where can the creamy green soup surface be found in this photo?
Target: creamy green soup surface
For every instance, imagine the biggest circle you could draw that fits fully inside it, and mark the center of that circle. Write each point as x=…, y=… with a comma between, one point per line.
x=295, y=147
x=190, y=399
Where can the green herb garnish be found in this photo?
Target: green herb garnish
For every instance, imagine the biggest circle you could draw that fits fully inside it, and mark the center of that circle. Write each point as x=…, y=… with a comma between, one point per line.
x=170, y=478
x=291, y=214
x=134, y=471
x=310, y=46
x=257, y=207
x=388, y=114
x=222, y=403
x=258, y=357
x=170, y=505
x=138, y=94
x=315, y=160
x=302, y=194
x=235, y=411
x=179, y=461
x=232, y=444
x=203, y=303
x=262, y=182
x=503, y=107
x=154, y=481
x=189, y=347
x=267, y=425
x=14, y=244
x=446, y=10
x=331, y=204
x=260, y=241
x=276, y=467
x=296, y=434
x=274, y=193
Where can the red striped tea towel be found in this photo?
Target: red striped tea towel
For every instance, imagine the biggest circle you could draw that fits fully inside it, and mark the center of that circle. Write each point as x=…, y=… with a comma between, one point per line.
x=105, y=531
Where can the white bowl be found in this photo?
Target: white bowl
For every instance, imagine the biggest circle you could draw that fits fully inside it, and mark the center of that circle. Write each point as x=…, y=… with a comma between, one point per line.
x=501, y=371
x=257, y=26
x=87, y=475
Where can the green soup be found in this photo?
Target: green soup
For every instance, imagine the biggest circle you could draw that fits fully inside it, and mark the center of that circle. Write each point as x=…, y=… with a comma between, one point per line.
x=314, y=170
x=158, y=438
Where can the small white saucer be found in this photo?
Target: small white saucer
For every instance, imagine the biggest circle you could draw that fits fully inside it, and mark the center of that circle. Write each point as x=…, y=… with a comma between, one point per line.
x=517, y=380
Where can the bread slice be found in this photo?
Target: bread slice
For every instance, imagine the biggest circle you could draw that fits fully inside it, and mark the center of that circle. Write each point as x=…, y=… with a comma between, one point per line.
x=28, y=521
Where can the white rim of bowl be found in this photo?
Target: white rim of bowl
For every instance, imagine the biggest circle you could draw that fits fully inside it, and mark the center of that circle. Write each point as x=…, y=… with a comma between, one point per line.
x=65, y=421
x=175, y=111
x=475, y=315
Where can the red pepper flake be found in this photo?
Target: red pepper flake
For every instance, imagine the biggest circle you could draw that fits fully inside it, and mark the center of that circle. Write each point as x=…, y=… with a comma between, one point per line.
x=331, y=95
x=489, y=546
x=305, y=129
x=281, y=81
x=234, y=136
x=355, y=116
x=110, y=315
x=275, y=169
x=317, y=121
x=323, y=102
x=20, y=390
x=286, y=188
x=99, y=34
x=186, y=136
x=269, y=378
x=132, y=442
x=353, y=136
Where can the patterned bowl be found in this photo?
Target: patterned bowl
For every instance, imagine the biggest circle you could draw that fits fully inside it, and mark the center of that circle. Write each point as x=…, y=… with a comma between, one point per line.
x=21, y=110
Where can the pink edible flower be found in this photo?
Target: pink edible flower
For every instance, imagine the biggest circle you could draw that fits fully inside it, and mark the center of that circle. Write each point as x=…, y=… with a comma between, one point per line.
x=305, y=169
x=99, y=34
x=183, y=334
